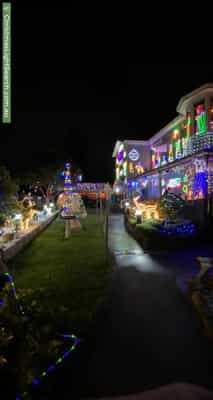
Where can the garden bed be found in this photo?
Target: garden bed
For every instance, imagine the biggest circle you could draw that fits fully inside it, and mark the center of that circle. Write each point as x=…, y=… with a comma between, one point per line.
x=152, y=236
x=201, y=297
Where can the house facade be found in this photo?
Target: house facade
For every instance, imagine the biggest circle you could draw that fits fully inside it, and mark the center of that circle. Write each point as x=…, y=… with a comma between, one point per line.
x=179, y=157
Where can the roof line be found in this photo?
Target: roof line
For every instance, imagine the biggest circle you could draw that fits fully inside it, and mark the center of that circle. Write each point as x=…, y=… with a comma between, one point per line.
x=194, y=93
x=165, y=129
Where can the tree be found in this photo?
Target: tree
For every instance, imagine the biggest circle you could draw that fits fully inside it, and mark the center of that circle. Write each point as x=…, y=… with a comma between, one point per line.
x=48, y=174
x=8, y=187
x=171, y=205
x=8, y=190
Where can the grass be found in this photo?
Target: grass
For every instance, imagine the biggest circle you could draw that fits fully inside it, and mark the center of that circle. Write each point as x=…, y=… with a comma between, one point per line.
x=73, y=271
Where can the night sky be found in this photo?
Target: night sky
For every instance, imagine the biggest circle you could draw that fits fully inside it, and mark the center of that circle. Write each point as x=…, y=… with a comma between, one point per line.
x=70, y=103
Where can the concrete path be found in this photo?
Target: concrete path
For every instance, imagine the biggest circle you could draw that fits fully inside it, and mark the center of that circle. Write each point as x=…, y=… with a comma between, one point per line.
x=180, y=265
x=146, y=333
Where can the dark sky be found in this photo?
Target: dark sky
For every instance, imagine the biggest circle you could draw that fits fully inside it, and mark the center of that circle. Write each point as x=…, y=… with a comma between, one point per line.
x=69, y=102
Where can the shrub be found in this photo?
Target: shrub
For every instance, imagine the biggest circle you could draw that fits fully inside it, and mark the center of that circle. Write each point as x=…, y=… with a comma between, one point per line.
x=28, y=342
x=171, y=205
x=154, y=234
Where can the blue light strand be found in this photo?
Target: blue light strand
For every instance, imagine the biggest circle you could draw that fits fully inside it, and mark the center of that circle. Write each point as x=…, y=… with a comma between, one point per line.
x=52, y=367
x=182, y=229
x=11, y=281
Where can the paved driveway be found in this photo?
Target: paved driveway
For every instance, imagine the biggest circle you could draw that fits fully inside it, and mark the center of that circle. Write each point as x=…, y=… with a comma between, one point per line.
x=146, y=334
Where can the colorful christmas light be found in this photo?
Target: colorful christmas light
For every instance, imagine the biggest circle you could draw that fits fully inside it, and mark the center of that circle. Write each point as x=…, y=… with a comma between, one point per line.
x=188, y=125
x=60, y=359
x=185, y=228
x=201, y=120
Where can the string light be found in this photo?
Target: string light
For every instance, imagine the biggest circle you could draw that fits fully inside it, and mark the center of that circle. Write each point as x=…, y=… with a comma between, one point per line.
x=186, y=228
x=52, y=367
x=9, y=279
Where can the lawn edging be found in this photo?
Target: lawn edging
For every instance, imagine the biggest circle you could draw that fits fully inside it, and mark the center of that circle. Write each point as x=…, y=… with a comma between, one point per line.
x=15, y=246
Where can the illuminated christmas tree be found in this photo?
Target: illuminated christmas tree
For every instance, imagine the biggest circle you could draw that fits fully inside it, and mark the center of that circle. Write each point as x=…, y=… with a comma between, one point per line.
x=72, y=207
x=171, y=205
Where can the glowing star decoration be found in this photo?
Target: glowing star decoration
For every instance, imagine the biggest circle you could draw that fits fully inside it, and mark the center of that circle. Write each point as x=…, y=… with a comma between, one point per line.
x=134, y=155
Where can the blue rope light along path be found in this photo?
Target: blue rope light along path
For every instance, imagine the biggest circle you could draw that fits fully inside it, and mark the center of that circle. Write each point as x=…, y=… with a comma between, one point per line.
x=52, y=367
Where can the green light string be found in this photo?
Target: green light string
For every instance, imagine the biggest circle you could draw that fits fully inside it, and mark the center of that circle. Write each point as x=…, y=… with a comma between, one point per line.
x=202, y=122
x=60, y=359
x=52, y=367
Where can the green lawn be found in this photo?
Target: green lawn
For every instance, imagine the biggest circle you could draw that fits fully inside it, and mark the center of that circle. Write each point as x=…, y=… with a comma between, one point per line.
x=74, y=271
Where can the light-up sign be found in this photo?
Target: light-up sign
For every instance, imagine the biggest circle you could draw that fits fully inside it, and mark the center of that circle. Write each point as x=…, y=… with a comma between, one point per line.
x=201, y=120
x=134, y=155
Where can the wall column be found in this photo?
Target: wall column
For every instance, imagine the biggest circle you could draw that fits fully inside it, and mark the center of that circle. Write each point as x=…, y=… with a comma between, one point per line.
x=192, y=112
x=207, y=108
